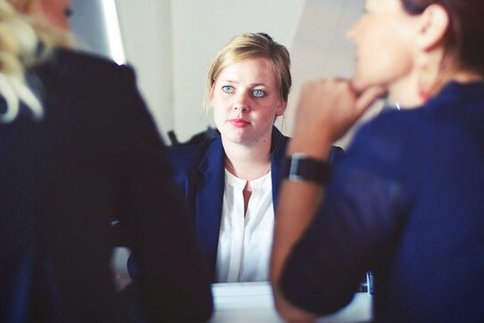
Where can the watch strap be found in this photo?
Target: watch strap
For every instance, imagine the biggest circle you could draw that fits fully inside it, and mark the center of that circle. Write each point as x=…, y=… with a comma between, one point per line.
x=300, y=167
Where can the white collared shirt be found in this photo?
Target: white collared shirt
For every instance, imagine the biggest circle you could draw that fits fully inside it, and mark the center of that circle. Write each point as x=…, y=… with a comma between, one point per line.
x=245, y=242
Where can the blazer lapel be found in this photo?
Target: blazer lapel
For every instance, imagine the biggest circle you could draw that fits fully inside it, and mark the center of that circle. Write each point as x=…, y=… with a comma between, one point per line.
x=209, y=199
x=278, y=150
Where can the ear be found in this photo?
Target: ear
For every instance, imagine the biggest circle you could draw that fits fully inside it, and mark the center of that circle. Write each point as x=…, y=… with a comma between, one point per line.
x=281, y=109
x=433, y=25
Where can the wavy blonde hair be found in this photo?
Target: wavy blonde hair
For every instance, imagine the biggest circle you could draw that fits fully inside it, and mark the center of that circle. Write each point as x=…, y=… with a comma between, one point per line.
x=248, y=46
x=24, y=42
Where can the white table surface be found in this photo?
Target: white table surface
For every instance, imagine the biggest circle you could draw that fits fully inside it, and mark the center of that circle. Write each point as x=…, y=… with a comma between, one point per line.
x=252, y=302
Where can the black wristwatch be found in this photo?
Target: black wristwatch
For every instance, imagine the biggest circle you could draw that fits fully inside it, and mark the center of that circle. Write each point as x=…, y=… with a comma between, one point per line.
x=300, y=167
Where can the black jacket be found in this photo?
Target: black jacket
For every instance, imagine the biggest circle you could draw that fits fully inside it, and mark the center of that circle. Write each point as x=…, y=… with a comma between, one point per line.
x=95, y=157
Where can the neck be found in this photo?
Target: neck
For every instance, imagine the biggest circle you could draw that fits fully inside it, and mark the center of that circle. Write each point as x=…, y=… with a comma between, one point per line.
x=406, y=94
x=247, y=162
x=467, y=77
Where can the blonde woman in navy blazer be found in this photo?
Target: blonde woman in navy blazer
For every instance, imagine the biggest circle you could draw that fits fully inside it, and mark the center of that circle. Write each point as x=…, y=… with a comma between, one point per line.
x=247, y=88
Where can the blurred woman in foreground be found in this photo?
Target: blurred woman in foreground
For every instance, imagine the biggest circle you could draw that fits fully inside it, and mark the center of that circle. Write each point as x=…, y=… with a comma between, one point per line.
x=407, y=201
x=78, y=149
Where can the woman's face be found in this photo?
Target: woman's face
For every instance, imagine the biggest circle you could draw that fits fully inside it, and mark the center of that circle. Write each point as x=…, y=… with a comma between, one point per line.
x=246, y=100
x=57, y=12
x=384, y=38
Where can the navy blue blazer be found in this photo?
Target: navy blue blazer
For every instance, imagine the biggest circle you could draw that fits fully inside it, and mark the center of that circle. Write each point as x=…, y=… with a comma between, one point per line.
x=407, y=203
x=200, y=175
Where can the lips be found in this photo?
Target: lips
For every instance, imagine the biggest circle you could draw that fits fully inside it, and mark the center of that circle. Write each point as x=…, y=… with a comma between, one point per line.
x=239, y=123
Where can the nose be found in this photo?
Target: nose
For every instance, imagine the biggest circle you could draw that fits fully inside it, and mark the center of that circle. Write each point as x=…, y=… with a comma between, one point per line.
x=241, y=103
x=352, y=32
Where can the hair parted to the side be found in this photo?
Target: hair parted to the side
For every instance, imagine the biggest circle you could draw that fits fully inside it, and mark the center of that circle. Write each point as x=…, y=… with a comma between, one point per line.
x=24, y=42
x=464, y=37
x=247, y=46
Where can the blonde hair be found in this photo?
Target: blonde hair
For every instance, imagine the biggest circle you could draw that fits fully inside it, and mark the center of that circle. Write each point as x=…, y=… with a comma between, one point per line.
x=24, y=42
x=247, y=46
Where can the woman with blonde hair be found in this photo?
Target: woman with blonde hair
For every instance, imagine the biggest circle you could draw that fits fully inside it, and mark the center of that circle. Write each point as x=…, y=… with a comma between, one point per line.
x=230, y=182
x=78, y=149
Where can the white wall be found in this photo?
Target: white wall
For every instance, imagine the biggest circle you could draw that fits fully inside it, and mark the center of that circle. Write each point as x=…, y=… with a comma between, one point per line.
x=91, y=36
x=147, y=38
x=320, y=49
x=171, y=43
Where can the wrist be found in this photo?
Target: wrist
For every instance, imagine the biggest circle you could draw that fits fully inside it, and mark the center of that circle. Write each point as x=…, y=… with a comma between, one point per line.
x=301, y=167
x=311, y=146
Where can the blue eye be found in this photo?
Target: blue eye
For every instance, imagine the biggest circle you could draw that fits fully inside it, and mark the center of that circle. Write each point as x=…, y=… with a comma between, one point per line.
x=228, y=88
x=259, y=93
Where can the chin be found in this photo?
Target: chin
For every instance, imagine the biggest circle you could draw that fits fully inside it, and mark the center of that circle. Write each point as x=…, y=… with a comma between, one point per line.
x=234, y=137
x=359, y=82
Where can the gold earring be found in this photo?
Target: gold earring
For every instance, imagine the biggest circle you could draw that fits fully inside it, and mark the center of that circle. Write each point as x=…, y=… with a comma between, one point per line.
x=424, y=84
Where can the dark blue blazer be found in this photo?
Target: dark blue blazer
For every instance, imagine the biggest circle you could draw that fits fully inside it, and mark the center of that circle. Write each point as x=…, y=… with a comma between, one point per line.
x=406, y=203
x=200, y=175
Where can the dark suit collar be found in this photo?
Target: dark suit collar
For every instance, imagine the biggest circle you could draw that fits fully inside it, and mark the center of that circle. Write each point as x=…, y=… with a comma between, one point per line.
x=212, y=166
x=209, y=193
x=213, y=158
x=278, y=150
x=209, y=198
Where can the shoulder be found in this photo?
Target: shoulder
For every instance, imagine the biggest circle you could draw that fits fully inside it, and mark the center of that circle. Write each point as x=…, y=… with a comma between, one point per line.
x=381, y=130
x=89, y=82
x=66, y=66
x=381, y=145
x=82, y=91
x=185, y=158
x=79, y=61
x=279, y=143
x=185, y=154
x=388, y=128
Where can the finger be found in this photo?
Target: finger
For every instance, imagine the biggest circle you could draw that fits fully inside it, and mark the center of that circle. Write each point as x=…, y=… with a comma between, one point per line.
x=368, y=97
x=340, y=79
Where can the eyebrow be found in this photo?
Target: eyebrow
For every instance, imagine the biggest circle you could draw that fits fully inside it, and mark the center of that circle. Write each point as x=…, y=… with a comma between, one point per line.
x=251, y=85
